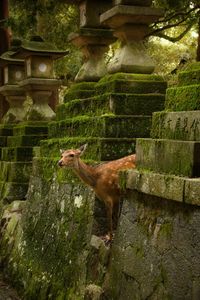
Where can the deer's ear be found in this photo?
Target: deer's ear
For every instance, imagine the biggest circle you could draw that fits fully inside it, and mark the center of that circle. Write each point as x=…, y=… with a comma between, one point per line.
x=83, y=148
x=61, y=151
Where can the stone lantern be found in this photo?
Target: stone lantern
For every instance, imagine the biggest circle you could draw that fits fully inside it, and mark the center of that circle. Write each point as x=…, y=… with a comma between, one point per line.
x=92, y=39
x=130, y=21
x=39, y=81
x=13, y=73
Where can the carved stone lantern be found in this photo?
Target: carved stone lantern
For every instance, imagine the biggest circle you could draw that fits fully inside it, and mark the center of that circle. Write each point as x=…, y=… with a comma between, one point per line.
x=13, y=73
x=39, y=81
x=130, y=21
x=93, y=39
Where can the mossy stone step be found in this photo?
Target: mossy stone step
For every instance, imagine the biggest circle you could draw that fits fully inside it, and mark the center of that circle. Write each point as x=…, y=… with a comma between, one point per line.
x=15, y=171
x=132, y=86
x=118, y=104
x=6, y=130
x=169, y=156
x=189, y=77
x=10, y=191
x=99, y=149
x=26, y=129
x=80, y=91
x=130, y=76
x=183, y=98
x=104, y=126
x=25, y=140
x=184, y=125
x=17, y=154
x=3, y=141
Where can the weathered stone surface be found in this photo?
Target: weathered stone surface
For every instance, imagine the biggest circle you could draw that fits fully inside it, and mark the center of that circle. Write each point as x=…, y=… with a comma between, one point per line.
x=118, y=104
x=183, y=125
x=131, y=58
x=155, y=252
x=103, y=126
x=192, y=191
x=15, y=171
x=17, y=154
x=133, y=2
x=155, y=184
x=121, y=14
x=169, y=156
x=24, y=140
x=10, y=191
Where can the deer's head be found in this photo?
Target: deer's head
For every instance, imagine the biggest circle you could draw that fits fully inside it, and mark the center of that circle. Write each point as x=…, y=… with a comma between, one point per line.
x=70, y=157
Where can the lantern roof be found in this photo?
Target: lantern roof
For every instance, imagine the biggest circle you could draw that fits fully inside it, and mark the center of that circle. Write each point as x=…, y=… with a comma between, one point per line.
x=6, y=58
x=37, y=46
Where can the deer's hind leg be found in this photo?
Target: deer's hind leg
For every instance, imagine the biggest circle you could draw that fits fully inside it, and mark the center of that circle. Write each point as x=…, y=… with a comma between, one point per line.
x=109, y=211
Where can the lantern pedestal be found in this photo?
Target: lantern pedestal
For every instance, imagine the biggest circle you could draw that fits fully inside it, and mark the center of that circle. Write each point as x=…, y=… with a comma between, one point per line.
x=130, y=24
x=15, y=96
x=40, y=91
x=93, y=43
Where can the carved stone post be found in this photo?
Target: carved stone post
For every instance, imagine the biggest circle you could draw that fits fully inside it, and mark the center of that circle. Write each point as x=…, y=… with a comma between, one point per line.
x=130, y=19
x=39, y=82
x=13, y=71
x=93, y=39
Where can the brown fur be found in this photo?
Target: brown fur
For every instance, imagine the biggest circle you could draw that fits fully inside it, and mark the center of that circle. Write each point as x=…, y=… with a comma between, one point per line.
x=103, y=179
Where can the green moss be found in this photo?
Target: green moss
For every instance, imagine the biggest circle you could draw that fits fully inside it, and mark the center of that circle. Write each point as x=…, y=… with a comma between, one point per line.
x=166, y=230
x=183, y=98
x=189, y=77
x=25, y=140
x=17, y=154
x=126, y=76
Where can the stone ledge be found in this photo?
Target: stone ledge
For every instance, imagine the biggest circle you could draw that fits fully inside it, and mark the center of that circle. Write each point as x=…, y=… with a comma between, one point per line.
x=176, y=188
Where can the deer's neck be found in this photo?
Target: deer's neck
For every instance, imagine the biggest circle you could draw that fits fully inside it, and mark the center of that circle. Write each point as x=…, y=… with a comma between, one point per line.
x=86, y=173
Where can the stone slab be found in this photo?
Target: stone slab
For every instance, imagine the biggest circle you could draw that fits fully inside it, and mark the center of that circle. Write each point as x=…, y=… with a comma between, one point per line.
x=159, y=185
x=118, y=104
x=103, y=126
x=184, y=125
x=189, y=77
x=181, y=189
x=3, y=141
x=133, y=2
x=169, y=156
x=122, y=14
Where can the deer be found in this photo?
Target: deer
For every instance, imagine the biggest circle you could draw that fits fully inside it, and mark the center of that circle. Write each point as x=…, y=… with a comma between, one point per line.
x=102, y=178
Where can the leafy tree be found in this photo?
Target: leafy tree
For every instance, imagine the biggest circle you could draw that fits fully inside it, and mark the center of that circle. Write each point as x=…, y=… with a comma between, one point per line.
x=53, y=21
x=181, y=14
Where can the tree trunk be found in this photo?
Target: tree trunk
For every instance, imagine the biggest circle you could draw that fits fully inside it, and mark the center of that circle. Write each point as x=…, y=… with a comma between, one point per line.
x=4, y=45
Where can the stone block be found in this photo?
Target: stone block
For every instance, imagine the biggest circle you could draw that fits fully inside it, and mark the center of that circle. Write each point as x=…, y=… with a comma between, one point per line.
x=6, y=130
x=192, y=191
x=131, y=86
x=3, y=141
x=169, y=156
x=15, y=171
x=25, y=140
x=183, y=98
x=118, y=104
x=184, y=125
x=17, y=154
x=31, y=129
x=104, y=126
x=11, y=191
x=133, y=2
x=189, y=77
x=155, y=184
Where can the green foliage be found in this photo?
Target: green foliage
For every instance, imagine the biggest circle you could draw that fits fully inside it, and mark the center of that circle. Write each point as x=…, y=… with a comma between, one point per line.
x=51, y=20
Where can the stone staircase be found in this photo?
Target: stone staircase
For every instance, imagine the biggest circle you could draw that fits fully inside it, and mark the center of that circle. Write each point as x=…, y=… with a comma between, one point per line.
x=16, y=158
x=168, y=164
x=108, y=115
